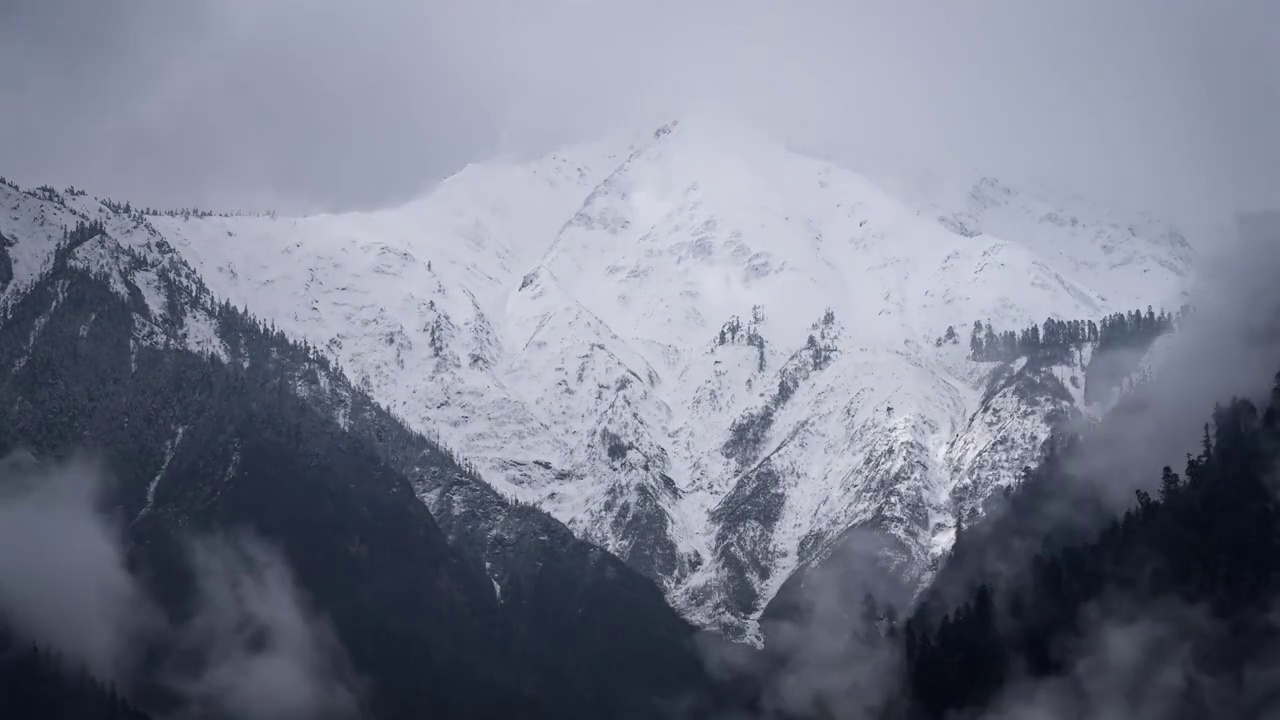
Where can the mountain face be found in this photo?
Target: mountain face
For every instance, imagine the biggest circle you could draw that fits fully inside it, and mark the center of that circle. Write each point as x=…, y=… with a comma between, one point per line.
x=698, y=350
x=210, y=421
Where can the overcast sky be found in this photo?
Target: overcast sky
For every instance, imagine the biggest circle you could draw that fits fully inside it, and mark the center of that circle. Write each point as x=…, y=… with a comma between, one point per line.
x=324, y=105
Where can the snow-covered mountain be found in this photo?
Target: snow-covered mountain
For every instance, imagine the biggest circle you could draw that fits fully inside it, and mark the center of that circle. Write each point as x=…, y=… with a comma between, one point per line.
x=707, y=354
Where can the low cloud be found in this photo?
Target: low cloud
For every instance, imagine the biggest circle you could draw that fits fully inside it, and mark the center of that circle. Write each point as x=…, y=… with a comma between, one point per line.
x=265, y=654
x=826, y=654
x=1134, y=661
x=254, y=648
x=63, y=578
x=1230, y=347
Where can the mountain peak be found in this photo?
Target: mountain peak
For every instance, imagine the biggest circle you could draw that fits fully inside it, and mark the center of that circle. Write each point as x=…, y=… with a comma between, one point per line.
x=640, y=336
x=712, y=127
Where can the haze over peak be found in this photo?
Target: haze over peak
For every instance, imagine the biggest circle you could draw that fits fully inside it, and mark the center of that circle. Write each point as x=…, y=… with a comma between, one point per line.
x=707, y=353
x=219, y=106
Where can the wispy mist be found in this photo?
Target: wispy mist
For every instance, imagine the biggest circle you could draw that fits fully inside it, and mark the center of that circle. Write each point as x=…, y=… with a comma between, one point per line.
x=826, y=653
x=1135, y=655
x=253, y=649
x=62, y=568
x=1229, y=347
x=263, y=653
x=1132, y=661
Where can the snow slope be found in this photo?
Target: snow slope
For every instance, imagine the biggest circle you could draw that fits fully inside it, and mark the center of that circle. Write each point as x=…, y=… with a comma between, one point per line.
x=704, y=352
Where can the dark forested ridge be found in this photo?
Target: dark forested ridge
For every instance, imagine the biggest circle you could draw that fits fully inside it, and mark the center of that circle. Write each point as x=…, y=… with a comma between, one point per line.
x=35, y=683
x=501, y=613
x=1206, y=545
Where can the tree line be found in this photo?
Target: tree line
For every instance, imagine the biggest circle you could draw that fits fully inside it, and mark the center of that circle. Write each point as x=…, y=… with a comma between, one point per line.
x=185, y=213
x=1058, y=337
x=1208, y=539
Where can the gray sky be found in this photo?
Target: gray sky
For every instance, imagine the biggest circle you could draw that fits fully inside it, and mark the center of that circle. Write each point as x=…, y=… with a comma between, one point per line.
x=320, y=104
